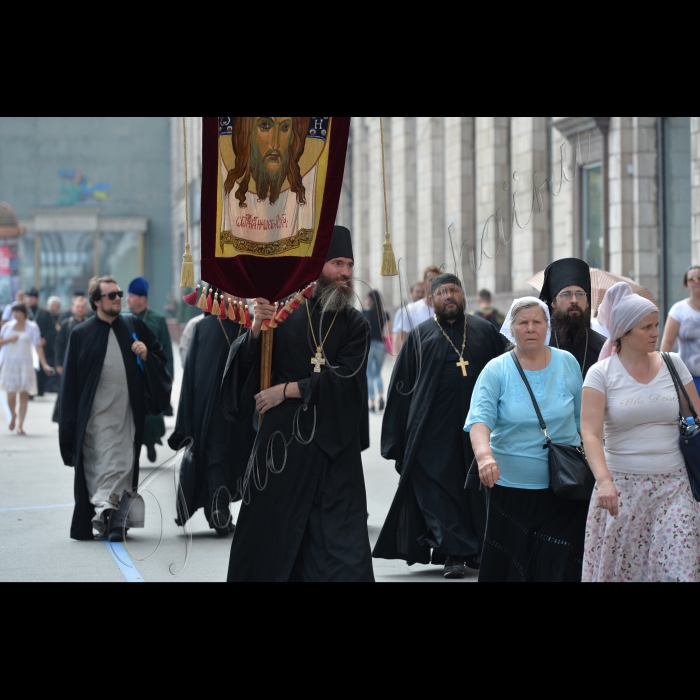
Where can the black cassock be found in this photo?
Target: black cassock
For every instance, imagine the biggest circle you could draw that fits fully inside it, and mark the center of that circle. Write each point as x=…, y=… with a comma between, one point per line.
x=220, y=450
x=82, y=368
x=595, y=347
x=60, y=348
x=423, y=432
x=309, y=523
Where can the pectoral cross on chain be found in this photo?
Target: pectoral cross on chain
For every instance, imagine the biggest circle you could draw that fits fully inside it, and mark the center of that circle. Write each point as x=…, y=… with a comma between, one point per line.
x=318, y=361
x=463, y=364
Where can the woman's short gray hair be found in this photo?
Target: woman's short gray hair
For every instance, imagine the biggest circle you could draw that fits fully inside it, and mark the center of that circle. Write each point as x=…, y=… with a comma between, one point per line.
x=524, y=306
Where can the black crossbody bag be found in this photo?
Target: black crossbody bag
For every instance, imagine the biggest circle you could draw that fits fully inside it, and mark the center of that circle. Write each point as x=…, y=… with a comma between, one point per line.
x=570, y=476
x=690, y=444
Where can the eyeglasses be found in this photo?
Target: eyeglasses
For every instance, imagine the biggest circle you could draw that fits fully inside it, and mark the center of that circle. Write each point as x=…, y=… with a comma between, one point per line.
x=567, y=296
x=694, y=279
x=113, y=295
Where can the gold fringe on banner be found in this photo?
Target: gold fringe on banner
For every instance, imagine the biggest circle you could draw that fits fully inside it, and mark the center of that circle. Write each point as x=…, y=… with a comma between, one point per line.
x=187, y=277
x=389, y=267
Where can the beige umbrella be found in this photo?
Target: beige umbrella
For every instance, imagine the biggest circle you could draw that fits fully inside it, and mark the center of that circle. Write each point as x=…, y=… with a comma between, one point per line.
x=601, y=282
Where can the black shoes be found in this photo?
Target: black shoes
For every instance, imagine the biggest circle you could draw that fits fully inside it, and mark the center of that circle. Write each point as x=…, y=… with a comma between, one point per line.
x=455, y=570
x=152, y=456
x=382, y=405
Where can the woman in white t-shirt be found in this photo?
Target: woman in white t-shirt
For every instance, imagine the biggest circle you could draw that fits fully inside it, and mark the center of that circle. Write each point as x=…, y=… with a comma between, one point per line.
x=683, y=325
x=644, y=525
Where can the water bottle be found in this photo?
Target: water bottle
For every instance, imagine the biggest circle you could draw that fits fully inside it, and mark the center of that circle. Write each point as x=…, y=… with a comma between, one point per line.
x=690, y=429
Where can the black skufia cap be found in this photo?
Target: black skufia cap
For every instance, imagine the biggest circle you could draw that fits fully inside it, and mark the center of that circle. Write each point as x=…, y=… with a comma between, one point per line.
x=341, y=245
x=565, y=273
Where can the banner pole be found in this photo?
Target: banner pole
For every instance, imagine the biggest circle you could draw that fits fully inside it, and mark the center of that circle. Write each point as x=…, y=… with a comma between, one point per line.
x=268, y=338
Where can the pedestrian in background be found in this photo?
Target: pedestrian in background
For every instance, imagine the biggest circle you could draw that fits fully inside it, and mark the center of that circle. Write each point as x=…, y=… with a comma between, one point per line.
x=683, y=325
x=531, y=535
x=7, y=311
x=186, y=337
x=643, y=525
x=417, y=294
x=78, y=316
x=486, y=311
x=137, y=301
x=20, y=339
x=378, y=319
x=54, y=308
x=42, y=318
x=422, y=310
x=103, y=413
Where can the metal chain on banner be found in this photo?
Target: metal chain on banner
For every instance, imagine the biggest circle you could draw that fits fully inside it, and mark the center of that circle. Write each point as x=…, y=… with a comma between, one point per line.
x=187, y=278
x=389, y=268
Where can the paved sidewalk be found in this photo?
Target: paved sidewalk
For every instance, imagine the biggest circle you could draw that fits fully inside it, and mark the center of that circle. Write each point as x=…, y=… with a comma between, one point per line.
x=36, y=496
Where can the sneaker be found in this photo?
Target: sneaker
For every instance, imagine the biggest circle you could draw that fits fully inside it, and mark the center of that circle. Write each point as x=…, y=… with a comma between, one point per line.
x=372, y=409
x=455, y=570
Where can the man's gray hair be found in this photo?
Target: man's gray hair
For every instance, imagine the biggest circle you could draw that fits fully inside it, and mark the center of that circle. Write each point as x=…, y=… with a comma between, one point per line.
x=54, y=300
x=524, y=306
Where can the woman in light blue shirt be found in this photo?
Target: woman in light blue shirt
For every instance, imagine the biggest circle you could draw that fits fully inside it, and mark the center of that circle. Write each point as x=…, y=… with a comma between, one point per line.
x=531, y=535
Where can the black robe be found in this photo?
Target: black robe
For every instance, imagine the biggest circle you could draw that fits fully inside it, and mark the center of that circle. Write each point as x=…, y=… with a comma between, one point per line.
x=87, y=348
x=423, y=432
x=47, y=327
x=310, y=522
x=60, y=348
x=220, y=450
x=595, y=347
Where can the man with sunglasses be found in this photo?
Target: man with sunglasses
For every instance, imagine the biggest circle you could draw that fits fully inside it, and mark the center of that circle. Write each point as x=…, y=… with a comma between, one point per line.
x=103, y=413
x=567, y=291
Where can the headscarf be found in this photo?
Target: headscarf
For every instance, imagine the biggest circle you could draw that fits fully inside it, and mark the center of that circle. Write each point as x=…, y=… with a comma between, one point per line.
x=508, y=333
x=621, y=311
x=571, y=272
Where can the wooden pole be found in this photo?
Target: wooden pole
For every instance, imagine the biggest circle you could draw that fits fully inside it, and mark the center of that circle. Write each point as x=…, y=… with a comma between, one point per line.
x=268, y=338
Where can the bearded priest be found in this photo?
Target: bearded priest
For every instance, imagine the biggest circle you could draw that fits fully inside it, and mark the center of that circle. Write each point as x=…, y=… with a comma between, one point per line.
x=433, y=518
x=304, y=517
x=567, y=292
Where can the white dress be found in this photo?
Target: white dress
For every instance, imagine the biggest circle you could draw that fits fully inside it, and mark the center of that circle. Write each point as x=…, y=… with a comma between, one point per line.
x=17, y=360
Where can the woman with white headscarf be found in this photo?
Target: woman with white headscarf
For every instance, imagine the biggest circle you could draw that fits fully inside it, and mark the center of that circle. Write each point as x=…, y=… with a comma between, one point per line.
x=531, y=535
x=643, y=525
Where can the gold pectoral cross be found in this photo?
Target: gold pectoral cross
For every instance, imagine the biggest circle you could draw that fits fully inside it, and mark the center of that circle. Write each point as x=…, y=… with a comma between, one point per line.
x=318, y=361
x=463, y=364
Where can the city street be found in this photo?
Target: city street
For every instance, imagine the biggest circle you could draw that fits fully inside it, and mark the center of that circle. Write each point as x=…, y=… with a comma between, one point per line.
x=36, y=497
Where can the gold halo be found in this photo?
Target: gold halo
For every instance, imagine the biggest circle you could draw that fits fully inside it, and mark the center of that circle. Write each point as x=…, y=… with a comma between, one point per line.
x=312, y=153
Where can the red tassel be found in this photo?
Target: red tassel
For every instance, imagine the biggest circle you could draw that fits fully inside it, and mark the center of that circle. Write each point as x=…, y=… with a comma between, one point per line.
x=248, y=319
x=192, y=299
x=223, y=315
x=210, y=302
x=283, y=316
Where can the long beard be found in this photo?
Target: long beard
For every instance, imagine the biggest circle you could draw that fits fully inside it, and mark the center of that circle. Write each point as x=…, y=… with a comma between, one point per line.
x=571, y=330
x=333, y=298
x=268, y=184
x=452, y=315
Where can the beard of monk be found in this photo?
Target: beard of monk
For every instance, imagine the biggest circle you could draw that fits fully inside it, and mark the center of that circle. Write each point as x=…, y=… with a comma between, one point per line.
x=334, y=295
x=570, y=326
x=269, y=155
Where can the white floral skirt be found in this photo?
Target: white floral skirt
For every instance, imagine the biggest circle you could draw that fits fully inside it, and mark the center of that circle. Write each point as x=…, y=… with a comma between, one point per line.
x=655, y=538
x=17, y=376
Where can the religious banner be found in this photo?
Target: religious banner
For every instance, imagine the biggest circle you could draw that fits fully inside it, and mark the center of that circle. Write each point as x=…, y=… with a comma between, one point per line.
x=270, y=194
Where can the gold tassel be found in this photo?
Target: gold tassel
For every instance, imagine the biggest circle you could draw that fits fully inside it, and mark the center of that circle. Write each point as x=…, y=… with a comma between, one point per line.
x=203, y=300
x=187, y=278
x=231, y=312
x=216, y=309
x=241, y=313
x=389, y=268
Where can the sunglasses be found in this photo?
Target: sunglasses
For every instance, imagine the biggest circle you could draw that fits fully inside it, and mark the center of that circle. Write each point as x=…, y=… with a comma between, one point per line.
x=113, y=295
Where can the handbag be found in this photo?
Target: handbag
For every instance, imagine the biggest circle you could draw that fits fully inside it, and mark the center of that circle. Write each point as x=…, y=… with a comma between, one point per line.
x=570, y=476
x=690, y=444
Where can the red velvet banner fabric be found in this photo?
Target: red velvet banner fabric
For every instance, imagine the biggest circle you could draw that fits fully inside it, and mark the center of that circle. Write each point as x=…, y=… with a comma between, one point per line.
x=270, y=193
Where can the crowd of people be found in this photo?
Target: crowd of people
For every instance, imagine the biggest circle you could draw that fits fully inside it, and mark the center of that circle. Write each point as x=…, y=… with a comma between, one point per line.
x=483, y=415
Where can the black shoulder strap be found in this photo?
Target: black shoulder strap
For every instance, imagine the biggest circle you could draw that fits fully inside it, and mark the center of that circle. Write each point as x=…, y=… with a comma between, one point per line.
x=543, y=425
x=679, y=384
x=129, y=321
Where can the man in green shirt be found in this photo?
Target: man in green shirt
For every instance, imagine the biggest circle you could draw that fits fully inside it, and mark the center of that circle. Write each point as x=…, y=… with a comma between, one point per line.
x=137, y=301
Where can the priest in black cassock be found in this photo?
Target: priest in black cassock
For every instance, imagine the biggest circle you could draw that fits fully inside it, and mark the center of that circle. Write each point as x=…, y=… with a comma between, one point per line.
x=103, y=412
x=220, y=451
x=433, y=518
x=567, y=291
x=306, y=520
x=43, y=319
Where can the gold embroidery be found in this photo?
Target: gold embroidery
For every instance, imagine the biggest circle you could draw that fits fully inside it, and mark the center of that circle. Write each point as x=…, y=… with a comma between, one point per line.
x=266, y=250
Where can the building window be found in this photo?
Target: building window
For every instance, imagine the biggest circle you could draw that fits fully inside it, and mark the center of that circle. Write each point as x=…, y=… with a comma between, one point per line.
x=676, y=162
x=593, y=224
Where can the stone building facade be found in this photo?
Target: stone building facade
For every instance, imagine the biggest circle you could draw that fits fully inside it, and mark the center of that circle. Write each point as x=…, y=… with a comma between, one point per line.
x=499, y=198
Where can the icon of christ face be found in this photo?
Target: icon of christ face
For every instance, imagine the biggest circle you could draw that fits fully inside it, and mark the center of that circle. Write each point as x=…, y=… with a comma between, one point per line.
x=268, y=150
